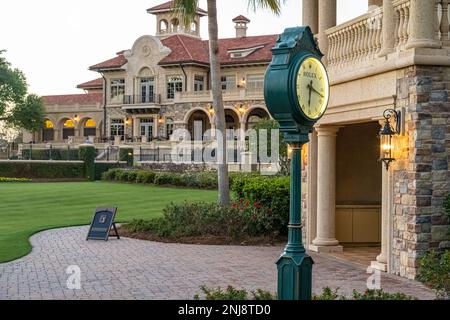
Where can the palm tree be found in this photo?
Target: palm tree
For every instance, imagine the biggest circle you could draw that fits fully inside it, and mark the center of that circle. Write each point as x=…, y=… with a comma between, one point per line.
x=187, y=9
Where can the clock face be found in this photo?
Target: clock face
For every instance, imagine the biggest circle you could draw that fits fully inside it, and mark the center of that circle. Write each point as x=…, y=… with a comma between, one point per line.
x=312, y=88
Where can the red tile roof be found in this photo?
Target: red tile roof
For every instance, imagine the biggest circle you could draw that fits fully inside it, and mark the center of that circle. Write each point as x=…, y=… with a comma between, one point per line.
x=93, y=84
x=87, y=98
x=189, y=49
x=167, y=6
x=186, y=49
x=241, y=18
x=114, y=63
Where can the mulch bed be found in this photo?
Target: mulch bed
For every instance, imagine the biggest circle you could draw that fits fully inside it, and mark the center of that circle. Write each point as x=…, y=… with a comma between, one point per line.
x=205, y=240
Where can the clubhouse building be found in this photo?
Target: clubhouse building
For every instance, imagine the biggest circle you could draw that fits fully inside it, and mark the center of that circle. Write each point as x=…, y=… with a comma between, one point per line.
x=395, y=56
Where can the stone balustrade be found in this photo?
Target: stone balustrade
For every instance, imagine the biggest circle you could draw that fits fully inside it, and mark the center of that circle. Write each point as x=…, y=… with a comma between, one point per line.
x=228, y=95
x=359, y=42
x=355, y=40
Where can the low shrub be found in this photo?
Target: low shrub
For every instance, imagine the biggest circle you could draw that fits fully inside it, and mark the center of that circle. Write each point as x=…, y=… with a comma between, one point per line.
x=434, y=270
x=327, y=294
x=169, y=178
x=233, y=294
x=145, y=176
x=102, y=168
x=241, y=220
x=3, y=179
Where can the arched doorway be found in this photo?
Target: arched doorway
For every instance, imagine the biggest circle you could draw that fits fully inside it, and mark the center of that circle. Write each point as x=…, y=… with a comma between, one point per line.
x=89, y=128
x=231, y=123
x=68, y=129
x=255, y=116
x=198, y=124
x=48, y=132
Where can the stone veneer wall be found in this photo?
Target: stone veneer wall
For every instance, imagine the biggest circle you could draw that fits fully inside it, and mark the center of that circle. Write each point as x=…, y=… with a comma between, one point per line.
x=421, y=179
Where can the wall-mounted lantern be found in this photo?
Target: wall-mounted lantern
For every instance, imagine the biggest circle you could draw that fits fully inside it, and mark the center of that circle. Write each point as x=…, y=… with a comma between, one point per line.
x=241, y=107
x=76, y=119
x=242, y=83
x=391, y=128
x=210, y=109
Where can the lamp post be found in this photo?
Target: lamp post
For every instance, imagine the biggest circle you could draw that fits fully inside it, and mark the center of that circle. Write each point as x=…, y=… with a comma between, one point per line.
x=296, y=91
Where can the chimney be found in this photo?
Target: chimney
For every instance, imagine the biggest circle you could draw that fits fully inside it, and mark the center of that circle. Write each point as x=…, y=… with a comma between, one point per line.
x=241, y=26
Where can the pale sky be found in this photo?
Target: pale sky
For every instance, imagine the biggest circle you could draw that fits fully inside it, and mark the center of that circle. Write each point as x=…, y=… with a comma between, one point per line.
x=55, y=41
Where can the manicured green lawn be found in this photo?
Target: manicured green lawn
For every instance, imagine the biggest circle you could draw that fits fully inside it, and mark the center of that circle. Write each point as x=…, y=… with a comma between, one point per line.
x=27, y=208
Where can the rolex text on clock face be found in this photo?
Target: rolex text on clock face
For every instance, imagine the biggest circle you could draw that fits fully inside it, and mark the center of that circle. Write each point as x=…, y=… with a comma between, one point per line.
x=312, y=88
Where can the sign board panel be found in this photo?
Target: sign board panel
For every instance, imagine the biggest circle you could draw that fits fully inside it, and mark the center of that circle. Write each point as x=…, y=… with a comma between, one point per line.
x=102, y=223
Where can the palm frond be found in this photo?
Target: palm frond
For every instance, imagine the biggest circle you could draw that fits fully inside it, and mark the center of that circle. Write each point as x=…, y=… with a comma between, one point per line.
x=273, y=5
x=185, y=10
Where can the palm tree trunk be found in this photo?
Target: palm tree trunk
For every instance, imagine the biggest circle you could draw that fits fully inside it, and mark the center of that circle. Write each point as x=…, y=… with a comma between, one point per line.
x=222, y=170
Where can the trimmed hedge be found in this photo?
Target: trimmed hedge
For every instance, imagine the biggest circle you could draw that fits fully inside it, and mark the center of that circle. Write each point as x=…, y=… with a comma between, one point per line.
x=203, y=180
x=41, y=170
x=56, y=154
x=87, y=155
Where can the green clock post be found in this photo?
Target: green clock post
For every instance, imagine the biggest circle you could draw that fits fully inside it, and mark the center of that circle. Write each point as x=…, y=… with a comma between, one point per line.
x=296, y=91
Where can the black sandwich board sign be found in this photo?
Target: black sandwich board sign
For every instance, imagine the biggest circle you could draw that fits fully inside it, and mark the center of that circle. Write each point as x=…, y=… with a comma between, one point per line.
x=102, y=223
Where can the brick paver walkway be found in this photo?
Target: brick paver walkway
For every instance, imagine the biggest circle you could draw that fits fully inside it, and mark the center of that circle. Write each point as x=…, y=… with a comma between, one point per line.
x=134, y=269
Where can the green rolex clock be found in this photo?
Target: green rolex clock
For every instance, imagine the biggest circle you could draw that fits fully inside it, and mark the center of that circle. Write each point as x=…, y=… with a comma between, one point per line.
x=296, y=90
x=296, y=87
x=312, y=88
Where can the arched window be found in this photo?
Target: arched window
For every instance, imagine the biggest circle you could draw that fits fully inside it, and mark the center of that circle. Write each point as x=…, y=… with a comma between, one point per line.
x=256, y=116
x=68, y=129
x=194, y=26
x=89, y=129
x=198, y=124
x=163, y=26
x=48, y=132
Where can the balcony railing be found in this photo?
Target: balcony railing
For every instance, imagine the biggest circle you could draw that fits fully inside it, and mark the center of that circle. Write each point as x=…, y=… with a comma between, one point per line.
x=150, y=99
x=228, y=95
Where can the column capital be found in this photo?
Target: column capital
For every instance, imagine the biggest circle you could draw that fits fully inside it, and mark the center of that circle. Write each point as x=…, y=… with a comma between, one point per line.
x=327, y=130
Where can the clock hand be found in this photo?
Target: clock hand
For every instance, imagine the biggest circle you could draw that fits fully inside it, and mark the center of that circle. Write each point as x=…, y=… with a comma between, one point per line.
x=309, y=86
x=314, y=89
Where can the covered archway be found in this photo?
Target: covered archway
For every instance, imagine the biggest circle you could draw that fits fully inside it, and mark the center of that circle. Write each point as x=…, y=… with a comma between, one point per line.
x=198, y=124
x=48, y=131
x=255, y=116
x=232, y=123
x=89, y=127
x=68, y=128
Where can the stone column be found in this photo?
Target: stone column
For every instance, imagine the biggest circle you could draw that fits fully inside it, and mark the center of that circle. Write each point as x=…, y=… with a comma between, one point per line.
x=422, y=25
x=327, y=20
x=382, y=259
x=326, y=191
x=136, y=127
x=312, y=189
x=388, y=23
x=310, y=14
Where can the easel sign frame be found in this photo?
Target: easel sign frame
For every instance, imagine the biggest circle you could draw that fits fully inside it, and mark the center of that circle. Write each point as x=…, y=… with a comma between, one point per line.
x=102, y=224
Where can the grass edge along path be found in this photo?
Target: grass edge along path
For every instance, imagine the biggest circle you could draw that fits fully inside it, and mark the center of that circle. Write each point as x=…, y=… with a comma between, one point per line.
x=30, y=208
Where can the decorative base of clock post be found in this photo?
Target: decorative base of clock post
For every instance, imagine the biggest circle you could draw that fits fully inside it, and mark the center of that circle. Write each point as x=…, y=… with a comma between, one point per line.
x=295, y=266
